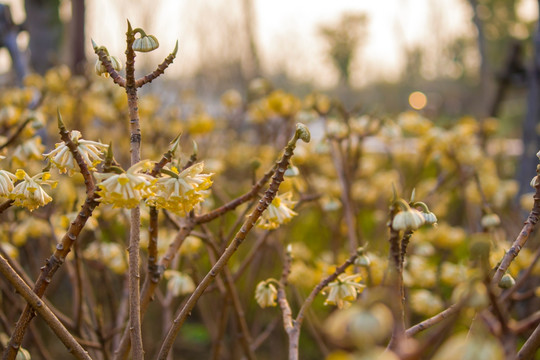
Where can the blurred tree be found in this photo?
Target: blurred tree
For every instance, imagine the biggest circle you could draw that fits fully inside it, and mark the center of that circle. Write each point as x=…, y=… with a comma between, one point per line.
x=344, y=40
x=253, y=64
x=78, y=56
x=531, y=138
x=45, y=28
x=8, y=38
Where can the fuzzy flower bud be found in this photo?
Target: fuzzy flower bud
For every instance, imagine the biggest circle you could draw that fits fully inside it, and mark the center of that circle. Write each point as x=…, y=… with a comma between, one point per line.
x=266, y=294
x=490, y=221
x=145, y=43
x=101, y=70
x=410, y=219
x=507, y=281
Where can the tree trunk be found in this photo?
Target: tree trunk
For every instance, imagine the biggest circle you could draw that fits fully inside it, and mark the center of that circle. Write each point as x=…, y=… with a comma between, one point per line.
x=531, y=139
x=45, y=29
x=78, y=56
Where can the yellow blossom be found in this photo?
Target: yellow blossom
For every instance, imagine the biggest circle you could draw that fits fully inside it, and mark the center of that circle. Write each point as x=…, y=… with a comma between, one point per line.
x=127, y=189
x=28, y=193
x=180, y=192
x=344, y=290
x=6, y=183
x=266, y=294
x=278, y=212
x=90, y=151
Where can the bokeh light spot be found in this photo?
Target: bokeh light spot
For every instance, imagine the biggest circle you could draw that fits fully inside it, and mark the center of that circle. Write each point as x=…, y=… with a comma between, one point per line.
x=418, y=100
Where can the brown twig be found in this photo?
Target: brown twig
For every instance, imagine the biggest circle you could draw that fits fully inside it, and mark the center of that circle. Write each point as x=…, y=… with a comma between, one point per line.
x=532, y=344
x=521, y=239
x=434, y=320
x=37, y=304
x=160, y=69
x=115, y=76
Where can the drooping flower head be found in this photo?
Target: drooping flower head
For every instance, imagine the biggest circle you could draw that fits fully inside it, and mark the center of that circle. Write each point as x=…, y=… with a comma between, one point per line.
x=91, y=152
x=28, y=193
x=6, y=183
x=278, y=212
x=344, y=290
x=179, y=192
x=266, y=293
x=127, y=189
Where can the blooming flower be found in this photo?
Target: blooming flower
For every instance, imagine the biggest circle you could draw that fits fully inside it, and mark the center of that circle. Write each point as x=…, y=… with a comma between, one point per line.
x=266, y=294
x=127, y=189
x=6, y=183
x=90, y=151
x=278, y=212
x=344, y=290
x=180, y=192
x=179, y=283
x=28, y=193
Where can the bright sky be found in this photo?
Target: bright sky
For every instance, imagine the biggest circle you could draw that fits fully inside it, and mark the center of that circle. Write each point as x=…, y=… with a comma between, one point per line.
x=286, y=30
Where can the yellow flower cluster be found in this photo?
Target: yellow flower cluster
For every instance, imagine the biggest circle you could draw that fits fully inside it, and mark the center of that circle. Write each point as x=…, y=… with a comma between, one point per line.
x=179, y=192
x=125, y=190
x=90, y=151
x=278, y=212
x=28, y=192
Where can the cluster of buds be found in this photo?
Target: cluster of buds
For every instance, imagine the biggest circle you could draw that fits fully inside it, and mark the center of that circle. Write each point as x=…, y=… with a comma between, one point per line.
x=409, y=218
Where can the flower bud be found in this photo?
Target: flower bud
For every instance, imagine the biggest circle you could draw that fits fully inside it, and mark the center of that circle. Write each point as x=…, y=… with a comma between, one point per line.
x=303, y=132
x=507, y=281
x=102, y=70
x=145, y=43
x=363, y=261
x=266, y=294
x=410, y=219
x=490, y=220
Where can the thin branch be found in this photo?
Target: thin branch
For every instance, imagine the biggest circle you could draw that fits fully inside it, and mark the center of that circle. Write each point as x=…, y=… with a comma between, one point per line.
x=115, y=76
x=160, y=69
x=532, y=344
x=434, y=320
x=37, y=304
x=521, y=239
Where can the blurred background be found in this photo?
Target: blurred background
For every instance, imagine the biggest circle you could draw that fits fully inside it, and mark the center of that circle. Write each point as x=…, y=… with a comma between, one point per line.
x=446, y=59
x=301, y=44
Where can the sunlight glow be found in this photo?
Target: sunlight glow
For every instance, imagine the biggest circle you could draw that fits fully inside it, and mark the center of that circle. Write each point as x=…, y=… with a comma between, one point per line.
x=418, y=100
